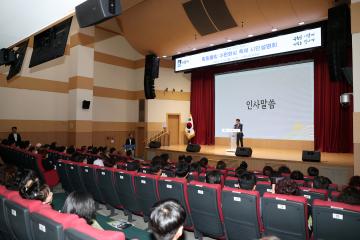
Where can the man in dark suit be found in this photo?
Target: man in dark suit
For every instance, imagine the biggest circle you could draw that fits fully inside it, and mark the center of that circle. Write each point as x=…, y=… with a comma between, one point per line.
x=14, y=137
x=130, y=140
x=239, y=135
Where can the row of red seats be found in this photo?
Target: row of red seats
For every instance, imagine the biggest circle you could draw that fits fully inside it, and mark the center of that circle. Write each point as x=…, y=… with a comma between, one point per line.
x=212, y=210
x=24, y=219
x=27, y=160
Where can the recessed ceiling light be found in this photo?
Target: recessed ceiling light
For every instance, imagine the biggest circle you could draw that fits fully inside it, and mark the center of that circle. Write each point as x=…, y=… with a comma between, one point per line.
x=301, y=23
x=274, y=29
x=164, y=56
x=194, y=49
x=229, y=40
x=250, y=35
x=211, y=44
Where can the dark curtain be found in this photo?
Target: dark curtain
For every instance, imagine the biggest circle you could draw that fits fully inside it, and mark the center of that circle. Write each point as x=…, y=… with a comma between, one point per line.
x=333, y=124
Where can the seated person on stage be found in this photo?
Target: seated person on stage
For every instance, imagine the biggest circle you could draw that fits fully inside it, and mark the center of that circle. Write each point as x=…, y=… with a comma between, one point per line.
x=321, y=182
x=83, y=205
x=14, y=137
x=350, y=195
x=247, y=181
x=221, y=165
x=213, y=177
x=182, y=170
x=167, y=219
x=313, y=171
x=284, y=169
x=297, y=175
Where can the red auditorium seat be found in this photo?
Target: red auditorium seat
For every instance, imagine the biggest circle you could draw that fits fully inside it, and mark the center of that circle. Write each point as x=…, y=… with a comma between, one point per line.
x=334, y=195
x=5, y=194
x=47, y=223
x=205, y=208
x=89, y=179
x=242, y=217
x=125, y=186
x=193, y=176
x=312, y=193
x=263, y=187
x=64, y=178
x=74, y=174
x=285, y=216
x=105, y=178
x=333, y=220
x=176, y=188
x=202, y=177
x=300, y=183
x=231, y=182
x=262, y=178
x=146, y=192
x=18, y=215
x=83, y=231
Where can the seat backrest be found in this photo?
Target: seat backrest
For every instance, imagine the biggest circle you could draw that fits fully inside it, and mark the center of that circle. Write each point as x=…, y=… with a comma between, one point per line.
x=49, y=224
x=83, y=231
x=176, y=188
x=241, y=209
x=202, y=177
x=5, y=194
x=193, y=176
x=146, y=192
x=300, y=183
x=205, y=208
x=285, y=216
x=263, y=187
x=262, y=178
x=105, y=178
x=90, y=181
x=334, y=196
x=125, y=188
x=312, y=193
x=63, y=176
x=74, y=173
x=334, y=220
x=18, y=215
x=231, y=182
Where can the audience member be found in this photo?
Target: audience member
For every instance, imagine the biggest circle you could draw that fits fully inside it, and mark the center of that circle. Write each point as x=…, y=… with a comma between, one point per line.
x=355, y=182
x=83, y=205
x=247, y=181
x=288, y=187
x=204, y=162
x=267, y=171
x=132, y=166
x=221, y=165
x=181, y=158
x=164, y=159
x=30, y=188
x=167, y=219
x=188, y=159
x=70, y=150
x=313, y=171
x=195, y=167
x=243, y=165
x=213, y=177
x=25, y=145
x=239, y=171
x=14, y=137
x=182, y=169
x=297, y=175
x=321, y=182
x=284, y=169
x=350, y=195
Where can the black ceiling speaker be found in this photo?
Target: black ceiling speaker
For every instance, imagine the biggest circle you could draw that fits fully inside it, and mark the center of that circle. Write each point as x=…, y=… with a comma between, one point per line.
x=338, y=40
x=151, y=72
x=92, y=12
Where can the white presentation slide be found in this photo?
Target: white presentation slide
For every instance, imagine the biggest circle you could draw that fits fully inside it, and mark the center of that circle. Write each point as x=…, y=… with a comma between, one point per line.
x=272, y=103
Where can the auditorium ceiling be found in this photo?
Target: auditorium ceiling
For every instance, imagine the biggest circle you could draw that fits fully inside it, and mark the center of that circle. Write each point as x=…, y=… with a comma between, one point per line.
x=163, y=26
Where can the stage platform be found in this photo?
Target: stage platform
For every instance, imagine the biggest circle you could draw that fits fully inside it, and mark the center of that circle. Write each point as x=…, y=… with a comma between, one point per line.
x=339, y=167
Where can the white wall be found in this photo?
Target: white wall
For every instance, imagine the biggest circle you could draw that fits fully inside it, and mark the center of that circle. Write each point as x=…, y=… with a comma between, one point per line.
x=115, y=110
x=156, y=110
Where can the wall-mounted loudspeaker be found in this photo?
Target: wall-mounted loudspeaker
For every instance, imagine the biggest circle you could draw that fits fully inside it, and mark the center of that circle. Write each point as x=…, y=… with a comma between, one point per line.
x=243, y=152
x=193, y=147
x=338, y=40
x=311, y=156
x=151, y=72
x=92, y=12
x=85, y=104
